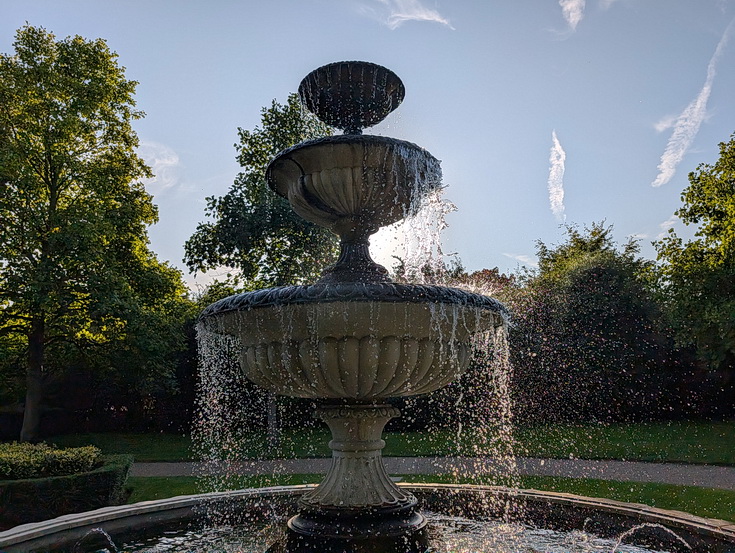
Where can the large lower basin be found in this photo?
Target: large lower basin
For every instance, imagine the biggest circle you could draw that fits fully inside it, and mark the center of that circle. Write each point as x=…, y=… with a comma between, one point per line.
x=550, y=510
x=354, y=341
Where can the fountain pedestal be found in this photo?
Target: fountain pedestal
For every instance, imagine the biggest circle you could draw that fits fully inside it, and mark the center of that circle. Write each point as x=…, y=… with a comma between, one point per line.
x=354, y=337
x=357, y=501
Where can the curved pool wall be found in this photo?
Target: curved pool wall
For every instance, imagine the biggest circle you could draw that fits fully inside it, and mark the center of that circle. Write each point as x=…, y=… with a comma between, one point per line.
x=558, y=511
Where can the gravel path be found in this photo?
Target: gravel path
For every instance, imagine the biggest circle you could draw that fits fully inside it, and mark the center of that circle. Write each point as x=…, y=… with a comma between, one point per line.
x=706, y=476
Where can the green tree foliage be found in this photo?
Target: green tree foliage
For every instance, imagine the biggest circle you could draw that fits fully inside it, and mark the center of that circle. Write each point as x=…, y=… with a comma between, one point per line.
x=253, y=229
x=698, y=276
x=76, y=272
x=586, y=343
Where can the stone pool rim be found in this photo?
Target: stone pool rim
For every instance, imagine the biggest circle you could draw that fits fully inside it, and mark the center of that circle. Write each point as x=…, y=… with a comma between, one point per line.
x=548, y=509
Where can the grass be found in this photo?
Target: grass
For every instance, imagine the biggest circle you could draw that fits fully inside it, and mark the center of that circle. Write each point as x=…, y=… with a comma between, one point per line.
x=703, y=502
x=144, y=447
x=682, y=442
x=161, y=487
x=676, y=442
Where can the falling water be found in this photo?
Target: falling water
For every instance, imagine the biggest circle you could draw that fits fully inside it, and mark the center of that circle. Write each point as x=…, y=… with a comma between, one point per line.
x=215, y=432
x=228, y=409
x=412, y=247
x=484, y=431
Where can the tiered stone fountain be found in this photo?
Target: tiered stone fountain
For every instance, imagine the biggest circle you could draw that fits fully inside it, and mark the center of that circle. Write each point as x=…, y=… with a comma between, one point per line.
x=354, y=338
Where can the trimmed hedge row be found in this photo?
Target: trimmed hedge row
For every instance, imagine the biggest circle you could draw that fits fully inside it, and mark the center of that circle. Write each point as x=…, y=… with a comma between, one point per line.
x=36, y=499
x=25, y=460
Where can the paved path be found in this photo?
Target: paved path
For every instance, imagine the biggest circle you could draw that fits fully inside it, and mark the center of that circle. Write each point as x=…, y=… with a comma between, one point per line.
x=706, y=476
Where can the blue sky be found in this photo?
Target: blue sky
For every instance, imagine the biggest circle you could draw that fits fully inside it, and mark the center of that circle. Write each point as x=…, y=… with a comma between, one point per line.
x=543, y=112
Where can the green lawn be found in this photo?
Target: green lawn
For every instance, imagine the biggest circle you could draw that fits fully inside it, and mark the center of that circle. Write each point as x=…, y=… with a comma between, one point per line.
x=161, y=487
x=699, y=501
x=144, y=447
x=680, y=442
x=684, y=442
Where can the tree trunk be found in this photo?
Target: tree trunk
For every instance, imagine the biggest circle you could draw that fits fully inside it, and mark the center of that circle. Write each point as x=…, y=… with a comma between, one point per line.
x=34, y=382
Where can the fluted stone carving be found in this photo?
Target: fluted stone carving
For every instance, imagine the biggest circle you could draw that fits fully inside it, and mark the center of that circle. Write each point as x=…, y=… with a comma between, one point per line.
x=357, y=477
x=350, y=367
x=358, y=350
x=354, y=184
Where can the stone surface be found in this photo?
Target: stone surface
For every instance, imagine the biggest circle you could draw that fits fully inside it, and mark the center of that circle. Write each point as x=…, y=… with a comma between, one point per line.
x=357, y=498
x=354, y=349
x=354, y=336
x=609, y=517
x=354, y=185
x=357, y=478
x=354, y=292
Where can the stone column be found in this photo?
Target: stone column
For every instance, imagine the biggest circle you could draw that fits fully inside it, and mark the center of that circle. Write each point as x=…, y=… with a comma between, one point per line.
x=357, y=499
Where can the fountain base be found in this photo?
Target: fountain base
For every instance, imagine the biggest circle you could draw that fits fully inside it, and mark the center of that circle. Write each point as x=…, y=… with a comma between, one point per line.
x=357, y=501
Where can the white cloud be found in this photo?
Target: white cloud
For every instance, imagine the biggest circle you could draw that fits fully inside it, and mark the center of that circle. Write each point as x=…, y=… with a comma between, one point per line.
x=557, y=158
x=394, y=13
x=605, y=4
x=522, y=258
x=688, y=122
x=198, y=282
x=164, y=163
x=573, y=12
x=666, y=225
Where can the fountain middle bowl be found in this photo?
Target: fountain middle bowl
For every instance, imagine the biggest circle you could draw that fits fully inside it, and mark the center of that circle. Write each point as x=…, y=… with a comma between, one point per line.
x=351, y=183
x=360, y=341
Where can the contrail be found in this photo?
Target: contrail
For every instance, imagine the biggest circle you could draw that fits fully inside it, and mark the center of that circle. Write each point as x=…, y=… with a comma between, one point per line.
x=687, y=124
x=557, y=157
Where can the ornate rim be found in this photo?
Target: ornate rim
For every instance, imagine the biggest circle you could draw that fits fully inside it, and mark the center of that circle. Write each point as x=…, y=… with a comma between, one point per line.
x=354, y=292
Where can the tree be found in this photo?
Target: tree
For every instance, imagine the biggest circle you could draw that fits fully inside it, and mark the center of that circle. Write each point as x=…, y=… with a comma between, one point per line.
x=698, y=276
x=254, y=230
x=586, y=340
x=73, y=211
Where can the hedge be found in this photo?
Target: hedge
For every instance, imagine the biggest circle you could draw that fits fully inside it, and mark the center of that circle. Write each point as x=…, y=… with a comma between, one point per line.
x=36, y=499
x=25, y=460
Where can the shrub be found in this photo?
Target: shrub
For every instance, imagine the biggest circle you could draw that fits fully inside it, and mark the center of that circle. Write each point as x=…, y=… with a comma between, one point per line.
x=35, y=499
x=24, y=460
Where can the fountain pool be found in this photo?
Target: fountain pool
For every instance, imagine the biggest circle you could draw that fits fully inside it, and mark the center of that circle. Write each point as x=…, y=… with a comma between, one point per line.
x=462, y=519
